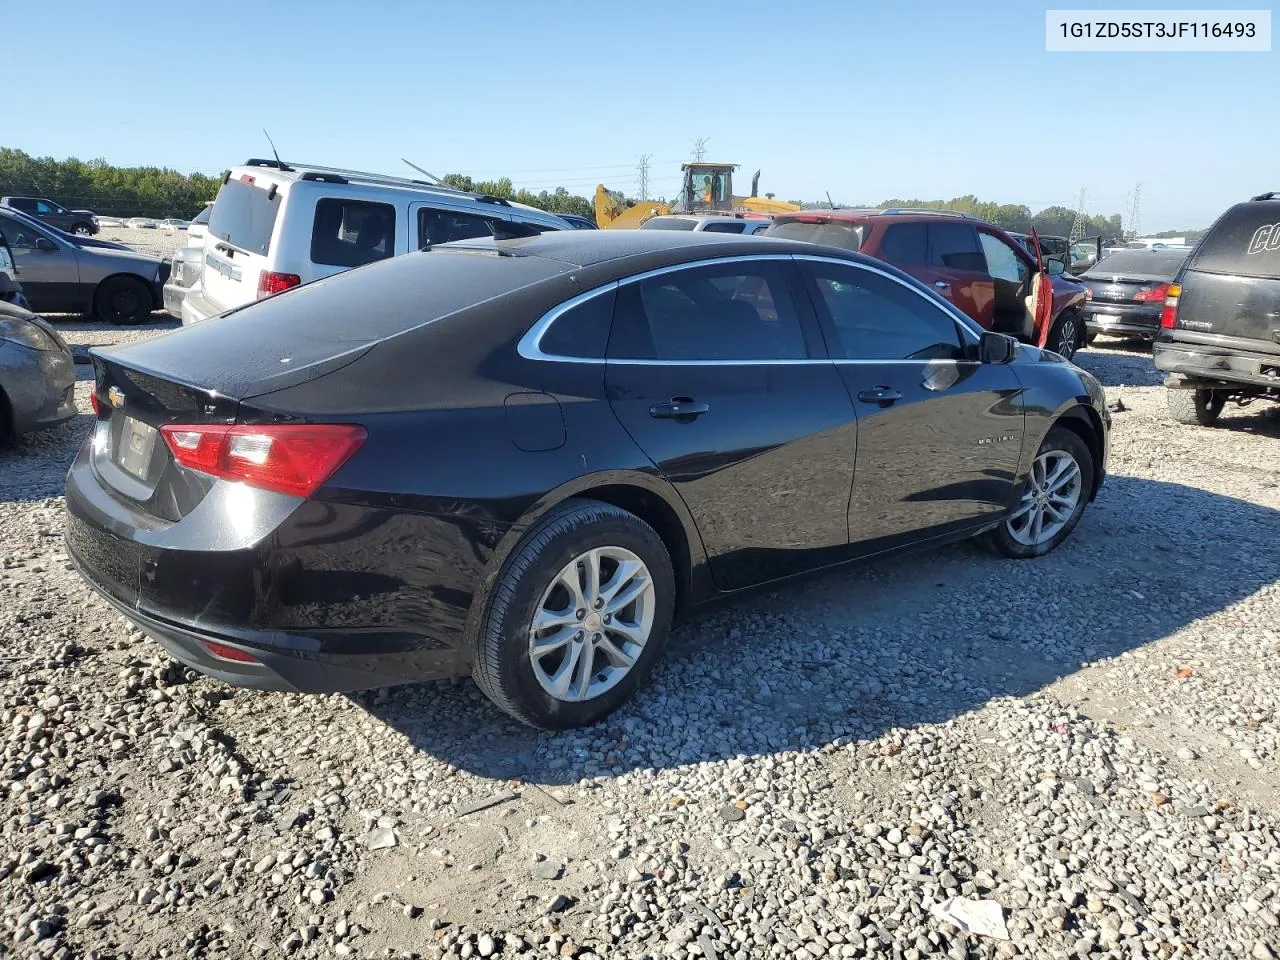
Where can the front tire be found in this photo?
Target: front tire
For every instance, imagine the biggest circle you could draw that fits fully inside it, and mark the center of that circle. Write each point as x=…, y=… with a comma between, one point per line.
x=577, y=617
x=122, y=301
x=1052, y=500
x=1067, y=335
x=82, y=230
x=1201, y=406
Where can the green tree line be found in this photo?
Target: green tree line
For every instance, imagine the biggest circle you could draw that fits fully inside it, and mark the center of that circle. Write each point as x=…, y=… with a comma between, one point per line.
x=109, y=190
x=1051, y=221
x=559, y=200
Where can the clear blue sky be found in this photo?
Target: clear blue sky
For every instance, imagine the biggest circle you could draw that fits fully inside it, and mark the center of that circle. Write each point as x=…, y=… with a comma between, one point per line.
x=869, y=101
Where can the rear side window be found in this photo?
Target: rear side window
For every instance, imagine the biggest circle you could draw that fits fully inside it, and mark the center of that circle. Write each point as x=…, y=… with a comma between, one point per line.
x=847, y=236
x=244, y=215
x=1244, y=242
x=725, y=312
x=445, y=226
x=351, y=233
x=955, y=246
x=582, y=331
x=906, y=243
x=876, y=318
x=668, y=223
x=722, y=228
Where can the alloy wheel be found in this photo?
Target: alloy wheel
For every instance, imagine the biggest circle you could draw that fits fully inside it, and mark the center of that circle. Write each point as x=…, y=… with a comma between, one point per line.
x=592, y=624
x=1067, y=337
x=1049, y=501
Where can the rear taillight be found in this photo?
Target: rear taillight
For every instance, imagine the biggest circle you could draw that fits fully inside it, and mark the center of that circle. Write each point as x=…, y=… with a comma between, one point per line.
x=227, y=652
x=271, y=283
x=288, y=458
x=1154, y=295
x=1169, y=315
x=95, y=403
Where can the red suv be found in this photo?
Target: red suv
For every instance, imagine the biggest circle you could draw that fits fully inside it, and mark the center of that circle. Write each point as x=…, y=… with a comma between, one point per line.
x=975, y=265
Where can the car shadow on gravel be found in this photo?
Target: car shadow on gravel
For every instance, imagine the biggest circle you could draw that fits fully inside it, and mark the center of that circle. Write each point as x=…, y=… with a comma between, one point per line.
x=35, y=465
x=853, y=653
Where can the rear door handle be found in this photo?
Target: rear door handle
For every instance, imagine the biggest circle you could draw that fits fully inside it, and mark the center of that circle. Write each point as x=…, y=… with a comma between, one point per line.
x=881, y=395
x=683, y=409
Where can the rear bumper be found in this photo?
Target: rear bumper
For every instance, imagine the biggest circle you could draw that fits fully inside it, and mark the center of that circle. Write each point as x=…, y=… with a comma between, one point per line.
x=1122, y=318
x=292, y=587
x=1208, y=363
x=39, y=385
x=173, y=296
x=195, y=308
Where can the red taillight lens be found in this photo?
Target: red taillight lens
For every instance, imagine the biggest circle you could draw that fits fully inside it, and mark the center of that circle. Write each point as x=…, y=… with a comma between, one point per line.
x=1169, y=315
x=1154, y=295
x=288, y=458
x=95, y=403
x=230, y=653
x=271, y=283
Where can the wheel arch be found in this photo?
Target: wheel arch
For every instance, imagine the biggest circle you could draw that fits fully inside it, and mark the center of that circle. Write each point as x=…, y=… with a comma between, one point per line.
x=8, y=428
x=646, y=495
x=157, y=299
x=1082, y=420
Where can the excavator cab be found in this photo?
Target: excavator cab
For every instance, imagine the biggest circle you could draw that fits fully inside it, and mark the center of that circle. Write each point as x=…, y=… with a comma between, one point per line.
x=708, y=187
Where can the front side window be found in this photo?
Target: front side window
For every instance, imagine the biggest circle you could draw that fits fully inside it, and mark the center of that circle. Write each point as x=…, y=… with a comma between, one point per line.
x=876, y=318
x=723, y=312
x=1003, y=262
x=351, y=233
x=955, y=246
x=445, y=226
x=45, y=207
x=21, y=236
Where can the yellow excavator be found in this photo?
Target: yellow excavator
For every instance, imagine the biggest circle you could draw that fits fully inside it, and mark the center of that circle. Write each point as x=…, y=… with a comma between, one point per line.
x=707, y=188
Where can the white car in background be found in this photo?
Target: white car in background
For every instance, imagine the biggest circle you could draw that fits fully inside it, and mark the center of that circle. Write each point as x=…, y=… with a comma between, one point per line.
x=140, y=223
x=171, y=224
x=184, y=270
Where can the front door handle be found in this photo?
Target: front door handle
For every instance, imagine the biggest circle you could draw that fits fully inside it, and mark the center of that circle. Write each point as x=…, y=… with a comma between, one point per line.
x=683, y=409
x=881, y=395
x=941, y=285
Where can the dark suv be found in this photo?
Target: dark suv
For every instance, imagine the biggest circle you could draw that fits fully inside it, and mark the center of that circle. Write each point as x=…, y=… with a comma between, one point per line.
x=81, y=222
x=975, y=265
x=1219, y=335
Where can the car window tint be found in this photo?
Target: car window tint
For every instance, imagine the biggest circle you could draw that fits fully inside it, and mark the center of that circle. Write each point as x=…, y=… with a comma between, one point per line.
x=905, y=243
x=725, y=312
x=876, y=318
x=955, y=245
x=351, y=233
x=445, y=226
x=582, y=331
x=44, y=207
x=1003, y=262
x=19, y=234
x=722, y=228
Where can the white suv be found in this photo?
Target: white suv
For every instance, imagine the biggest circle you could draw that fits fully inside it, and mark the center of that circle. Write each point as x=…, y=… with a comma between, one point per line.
x=277, y=225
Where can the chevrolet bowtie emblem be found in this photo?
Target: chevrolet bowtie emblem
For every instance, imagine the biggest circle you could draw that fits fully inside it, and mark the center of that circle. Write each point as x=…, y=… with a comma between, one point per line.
x=115, y=396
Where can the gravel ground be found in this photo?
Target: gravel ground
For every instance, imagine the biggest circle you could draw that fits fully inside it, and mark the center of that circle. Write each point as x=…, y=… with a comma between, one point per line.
x=1089, y=740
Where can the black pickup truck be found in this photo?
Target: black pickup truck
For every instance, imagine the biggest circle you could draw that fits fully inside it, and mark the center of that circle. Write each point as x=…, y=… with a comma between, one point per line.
x=84, y=223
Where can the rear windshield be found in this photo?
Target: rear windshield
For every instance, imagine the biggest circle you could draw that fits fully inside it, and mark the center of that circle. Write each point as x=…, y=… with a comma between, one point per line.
x=833, y=233
x=203, y=215
x=244, y=217
x=1244, y=242
x=1160, y=263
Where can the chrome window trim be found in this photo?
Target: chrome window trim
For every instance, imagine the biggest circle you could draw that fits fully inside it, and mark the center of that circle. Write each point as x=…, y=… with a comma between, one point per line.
x=530, y=346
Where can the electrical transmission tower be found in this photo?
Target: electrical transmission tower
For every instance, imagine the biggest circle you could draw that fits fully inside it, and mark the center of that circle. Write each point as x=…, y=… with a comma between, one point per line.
x=642, y=176
x=1078, y=223
x=1135, y=212
x=700, y=149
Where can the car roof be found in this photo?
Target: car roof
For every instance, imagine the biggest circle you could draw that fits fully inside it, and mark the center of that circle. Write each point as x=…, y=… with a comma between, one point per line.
x=585, y=248
x=863, y=213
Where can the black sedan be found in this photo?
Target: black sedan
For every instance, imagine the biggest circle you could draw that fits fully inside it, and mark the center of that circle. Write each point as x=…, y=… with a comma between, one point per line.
x=37, y=372
x=1127, y=291
x=522, y=457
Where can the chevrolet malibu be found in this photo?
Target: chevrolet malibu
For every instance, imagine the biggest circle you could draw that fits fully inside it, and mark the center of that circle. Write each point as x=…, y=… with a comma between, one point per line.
x=521, y=458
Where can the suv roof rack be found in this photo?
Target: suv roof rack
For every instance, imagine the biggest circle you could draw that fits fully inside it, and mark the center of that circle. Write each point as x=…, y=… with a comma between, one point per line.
x=274, y=164
x=898, y=211
x=1273, y=195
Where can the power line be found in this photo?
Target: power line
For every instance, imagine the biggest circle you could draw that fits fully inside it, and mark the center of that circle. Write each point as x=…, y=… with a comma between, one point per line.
x=700, y=149
x=1078, y=224
x=642, y=178
x=1135, y=211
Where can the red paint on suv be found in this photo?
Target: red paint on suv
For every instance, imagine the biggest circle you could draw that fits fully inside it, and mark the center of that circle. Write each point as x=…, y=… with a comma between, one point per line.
x=975, y=265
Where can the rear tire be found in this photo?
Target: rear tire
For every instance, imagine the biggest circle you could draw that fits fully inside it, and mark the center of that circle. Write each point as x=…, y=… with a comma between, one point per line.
x=1067, y=334
x=554, y=689
x=1057, y=492
x=122, y=301
x=1202, y=407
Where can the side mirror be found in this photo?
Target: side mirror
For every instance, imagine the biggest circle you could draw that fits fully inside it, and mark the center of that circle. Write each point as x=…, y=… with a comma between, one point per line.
x=47, y=245
x=1055, y=267
x=996, y=348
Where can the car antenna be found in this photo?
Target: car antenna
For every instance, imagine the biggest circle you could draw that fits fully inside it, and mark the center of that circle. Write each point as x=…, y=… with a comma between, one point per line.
x=830, y=201
x=425, y=173
x=279, y=163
